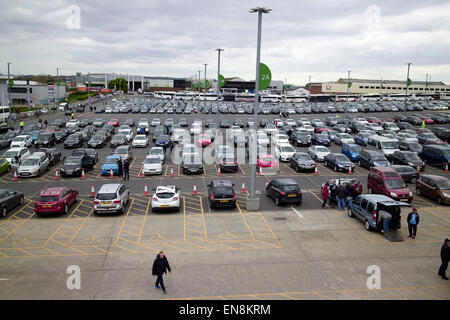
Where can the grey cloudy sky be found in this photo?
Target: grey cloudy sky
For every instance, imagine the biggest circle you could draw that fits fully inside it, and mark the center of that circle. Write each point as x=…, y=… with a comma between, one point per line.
x=320, y=38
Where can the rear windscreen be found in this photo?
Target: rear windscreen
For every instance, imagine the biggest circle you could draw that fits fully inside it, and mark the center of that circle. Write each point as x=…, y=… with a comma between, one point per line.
x=106, y=196
x=290, y=188
x=165, y=195
x=48, y=199
x=223, y=191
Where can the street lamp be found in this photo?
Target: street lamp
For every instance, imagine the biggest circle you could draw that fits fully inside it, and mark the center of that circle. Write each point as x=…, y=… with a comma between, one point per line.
x=252, y=201
x=204, y=89
x=218, y=83
x=407, y=83
x=348, y=84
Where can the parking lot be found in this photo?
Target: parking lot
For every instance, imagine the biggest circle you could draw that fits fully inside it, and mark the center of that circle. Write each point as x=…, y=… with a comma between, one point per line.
x=286, y=252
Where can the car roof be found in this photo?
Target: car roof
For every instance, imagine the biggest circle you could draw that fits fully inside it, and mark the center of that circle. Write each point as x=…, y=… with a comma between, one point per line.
x=52, y=191
x=110, y=187
x=165, y=189
x=434, y=177
x=37, y=155
x=383, y=169
x=222, y=182
x=436, y=146
x=286, y=181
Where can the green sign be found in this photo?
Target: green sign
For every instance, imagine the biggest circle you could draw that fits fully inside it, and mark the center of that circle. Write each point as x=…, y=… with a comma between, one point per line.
x=409, y=82
x=221, y=81
x=11, y=82
x=349, y=84
x=265, y=76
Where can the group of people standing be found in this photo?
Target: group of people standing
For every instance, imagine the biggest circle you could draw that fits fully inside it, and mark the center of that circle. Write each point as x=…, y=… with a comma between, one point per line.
x=124, y=169
x=340, y=194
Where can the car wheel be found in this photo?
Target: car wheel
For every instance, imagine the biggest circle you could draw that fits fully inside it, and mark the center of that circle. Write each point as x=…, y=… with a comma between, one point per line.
x=66, y=209
x=3, y=212
x=22, y=200
x=335, y=168
x=418, y=192
x=349, y=213
x=369, y=190
x=367, y=225
x=76, y=197
x=277, y=201
x=359, y=163
x=439, y=200
x=325, y=163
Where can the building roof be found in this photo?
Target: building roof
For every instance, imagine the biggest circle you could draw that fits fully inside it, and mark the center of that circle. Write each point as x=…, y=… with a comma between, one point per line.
x=401, y=82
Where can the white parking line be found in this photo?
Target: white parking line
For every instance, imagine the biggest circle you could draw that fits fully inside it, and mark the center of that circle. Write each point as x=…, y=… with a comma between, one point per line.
x=298, y=213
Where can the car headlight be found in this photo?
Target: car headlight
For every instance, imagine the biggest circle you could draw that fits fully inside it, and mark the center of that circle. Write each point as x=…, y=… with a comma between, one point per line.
x=394, y=195
x=446, y=195
x=410, y=164
x=410, y=194
x=340, y=165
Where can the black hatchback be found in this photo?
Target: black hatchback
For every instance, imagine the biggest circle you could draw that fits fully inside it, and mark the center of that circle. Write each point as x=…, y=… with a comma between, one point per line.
x=221, y=194
x=284, y=191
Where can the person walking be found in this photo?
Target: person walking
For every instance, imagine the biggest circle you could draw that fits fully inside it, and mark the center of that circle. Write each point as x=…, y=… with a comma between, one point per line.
x=160, y=266
x=357, y=188
x=45, y=123
x=445, y=254
x=120, y=164
x=386, y=219
x=72, y=116
x=341, y=194
x=126, y=169
x=21, y=124
x=413, y=222
x=325, y=192
x=333, y=188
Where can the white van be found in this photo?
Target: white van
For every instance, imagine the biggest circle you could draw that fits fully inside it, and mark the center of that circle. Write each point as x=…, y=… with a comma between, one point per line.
x=387, y=145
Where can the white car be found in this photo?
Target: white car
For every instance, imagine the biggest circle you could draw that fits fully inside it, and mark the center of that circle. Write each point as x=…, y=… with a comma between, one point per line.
x=189, y=148
x=270, y=129
x=195, y=129
x=361, y=120
x=284, y=151
x=407, y=137
x=343, y=138
x=374, y=127
x=291, y=122
x=152, y=165
x=72, y=122
x=15, y=156
x=34, y=165
x=352, y=109
x=317, y=123
x=318, y=153
x=159, y=151
x=140, y=140
x=278, y=123
x=128, y=132
x=21, y=141
x=156, y=122
x=391, y=126
x=166, y=197
x=222, y=151
x=108, y=109
x=280, y=138
x=308, y=128
x=262, y=139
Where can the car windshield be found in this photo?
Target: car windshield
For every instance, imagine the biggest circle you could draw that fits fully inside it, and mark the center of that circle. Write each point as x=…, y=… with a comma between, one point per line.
x=75, y=137
x=156, y=151
x=10, y=154
x=415, y=146
x=340, y=157
x=110, y=161
x=411, y=156
x=72, y=161
x=322, y=149
x=163, y=137
x=139, y=137
x=303, y=157
x=389, y=145
x=287, y=149
x=30, y=162
x=121, y=151
x=345, y=136
x=48, y=199
x=429, y=135
x=395, y=183
x=290, y=188
x=152, y=160
x=443, y=185
x=106, y=196
x=19, y=139
x=119, y=137
x=192, y=160
x=322, y=136
x=355, y=149
x=44, y=136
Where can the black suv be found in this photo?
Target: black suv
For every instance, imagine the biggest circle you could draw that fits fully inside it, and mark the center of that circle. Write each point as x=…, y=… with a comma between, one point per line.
x=298, y=138
x=284, y=191
x=91, y=158
x=75, y=140
x=301, y=161
x=45, y=139
x=221, y=194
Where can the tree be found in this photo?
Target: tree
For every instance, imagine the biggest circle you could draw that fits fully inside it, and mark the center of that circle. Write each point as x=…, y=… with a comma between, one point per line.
x=119, y=84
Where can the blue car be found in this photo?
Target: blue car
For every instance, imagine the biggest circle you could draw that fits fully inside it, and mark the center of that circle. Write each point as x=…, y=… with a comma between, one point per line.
x=361, y=138
x=352, y=151
x=34, y=134
x=111, y=162
x=435, y=154
x=321, y=140
x=331, y=133
x=163, y=141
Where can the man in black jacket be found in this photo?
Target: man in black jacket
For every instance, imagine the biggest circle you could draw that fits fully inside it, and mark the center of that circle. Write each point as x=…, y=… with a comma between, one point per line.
x=126, y=169
x=445, y=255
x=341, y=194
x=413, y=222
x=160, y=266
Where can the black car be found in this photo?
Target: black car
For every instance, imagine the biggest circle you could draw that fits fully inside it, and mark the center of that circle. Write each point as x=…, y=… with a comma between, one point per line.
x=228, y=163
x=45, y=139
x=320, y=140
x=409, y=174
x=404, y=125
x=192, y=164
x=302, y=161
x=9, y=199
x=159, y=130
x=339, y=162
x=75, y=140
x=284, y=191
x=410, y=146
x=73, y=165
x=224, y=124
x=98, y=140
x=80, y=108
x=109, y=128
x=407, y=158
x=59, y=122
x=442, y=133
x=54, y=155
x=90, y=153
x=183, y=122
x=238, y=122
x=6, y=138
x=118, y=140
x=221, y=194
x=60, y=136
x=299, y=138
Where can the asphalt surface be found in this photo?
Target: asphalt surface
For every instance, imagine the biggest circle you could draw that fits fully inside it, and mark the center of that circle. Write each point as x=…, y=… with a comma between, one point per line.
x=275, y=253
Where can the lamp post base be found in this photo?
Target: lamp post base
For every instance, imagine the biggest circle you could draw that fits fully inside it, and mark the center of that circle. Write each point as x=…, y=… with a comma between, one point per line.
x=252, y=203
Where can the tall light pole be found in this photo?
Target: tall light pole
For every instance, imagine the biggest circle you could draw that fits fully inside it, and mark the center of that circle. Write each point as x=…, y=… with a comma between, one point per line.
x=9, y=87
x=260, y=11
x=348, y=83
x=204, y=89
x=407, y=80
x=199, y=87
x=426, y=88
x=218, y=83
x=57, y=78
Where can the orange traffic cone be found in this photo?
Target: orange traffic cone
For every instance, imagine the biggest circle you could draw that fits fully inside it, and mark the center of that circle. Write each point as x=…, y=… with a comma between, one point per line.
x=145, y=190
x=171, y=172
x=195, y=189
x=142, y=173
x=56, y=175
x=349, y=170
x=446, y=167
x=243, y=187
x=218, y=171
x=111, y=173
x=316, y=171
x=92, y=191
x=260, y=171
x=82, y=174
x=15, y=176
x=418, y=169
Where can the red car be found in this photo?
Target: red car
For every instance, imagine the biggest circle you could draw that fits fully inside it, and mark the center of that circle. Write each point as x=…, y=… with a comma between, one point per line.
x=321, y=129
x=373, y=120
x=426, y=119
x=267, y=162
x=203, y=140
x=55, y=200
x=114, y=122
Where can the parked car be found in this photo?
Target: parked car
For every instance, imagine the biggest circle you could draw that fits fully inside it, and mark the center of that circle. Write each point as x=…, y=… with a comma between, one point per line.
x=140, y=140
x=9, y=199
x=192, y=163
x=301, y=161
x=318, y=153
x=74, y=165
x=408, y=158
x=15, y=156
x=152, y=165
x=111, y=198
x=284, y=151
x=55, y=200
x=372, y=158
x=299, y=138
x=54, y=155
x=75, y=140
x=23, y=140
x=45, y=139
x=4, y=166
x=387, y=181
x=352, y=151
x=98, y=140
x=166, y=197
x=284, y=191
x=34, y=165
x=320, y=139
x=125, y=152
x=221, y=194
x=410, y=146
x=434, y=187
x=408, y=174
x=159, y=151
x=228, y=163
x=338, y=162
x=111, y=163
x=435, y=155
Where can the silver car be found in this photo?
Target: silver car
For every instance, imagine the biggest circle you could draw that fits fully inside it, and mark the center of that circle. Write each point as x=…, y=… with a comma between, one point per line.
x=318, y=153
x=111, y=198
x=125, y=152
x=34, y=165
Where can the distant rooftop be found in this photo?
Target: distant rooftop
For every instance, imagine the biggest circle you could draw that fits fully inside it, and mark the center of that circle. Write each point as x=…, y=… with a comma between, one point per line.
x=401, y=82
